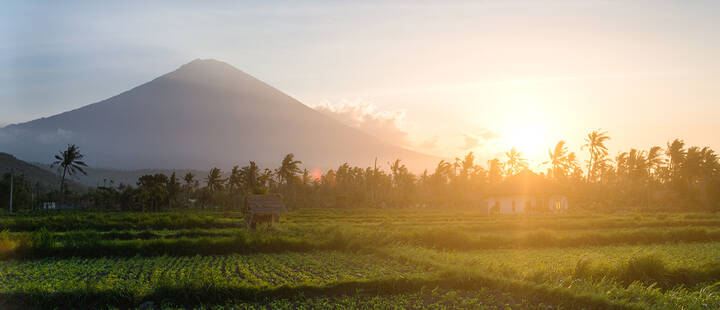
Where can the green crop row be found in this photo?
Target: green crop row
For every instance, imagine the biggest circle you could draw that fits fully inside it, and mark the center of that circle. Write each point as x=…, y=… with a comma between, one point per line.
x=44, y=243
x=466, y=219
x=255, y=279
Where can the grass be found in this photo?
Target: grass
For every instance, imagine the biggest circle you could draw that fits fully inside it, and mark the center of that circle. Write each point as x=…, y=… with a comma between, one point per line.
x=75, y=220
x=319, y=258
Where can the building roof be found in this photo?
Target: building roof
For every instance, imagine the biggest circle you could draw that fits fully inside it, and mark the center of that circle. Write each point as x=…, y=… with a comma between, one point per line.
x=264, y=204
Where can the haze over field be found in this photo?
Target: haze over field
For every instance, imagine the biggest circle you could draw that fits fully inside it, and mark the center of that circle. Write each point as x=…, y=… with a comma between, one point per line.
x=439, y=78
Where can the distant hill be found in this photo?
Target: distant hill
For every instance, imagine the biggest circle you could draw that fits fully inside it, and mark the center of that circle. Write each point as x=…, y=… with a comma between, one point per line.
x=48, y=180
x=104, y=176
x=206, y=113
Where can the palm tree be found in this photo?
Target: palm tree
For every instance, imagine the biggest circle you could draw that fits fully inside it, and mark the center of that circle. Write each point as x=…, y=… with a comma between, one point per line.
x=677, y=154
x=70, y=161
x=266, y=179
x=214, y=180
x=173, y=189
x=655, y=160
x=395, y=168
x=495, y=170
x=710, y=164
x=467, y=165
x=289, y=169
x=442, y=173
x=189, y=179
x=558, y=160
x=595, y=143
x=693, y=167
x=306, y=178
x=235, y=180
x=573, y=168
x=637, y=163
x=515, y=162
x=250, y=175
x=190, y=184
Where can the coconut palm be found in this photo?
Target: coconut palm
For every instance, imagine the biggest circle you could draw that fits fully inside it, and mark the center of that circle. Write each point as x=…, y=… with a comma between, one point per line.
x=189, y=179
x=396, y=168
x=235, y=180
x=266, y=179
x=250, y=175
x=289, y=169
x=572, y=165
x=306, y=177
x=467, y=165
x=677, y=154
x=710, y=164
x=595, y=143
x=495, y=170
x=70, y=162
x=637, y=163
x=214, y=180
x=558, y=160
x=190, y=184
x=655, y=160
x=442, y=173
x=515, y=162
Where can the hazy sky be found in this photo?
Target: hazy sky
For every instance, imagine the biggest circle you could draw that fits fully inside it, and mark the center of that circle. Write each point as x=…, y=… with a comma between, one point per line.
x=441, y=77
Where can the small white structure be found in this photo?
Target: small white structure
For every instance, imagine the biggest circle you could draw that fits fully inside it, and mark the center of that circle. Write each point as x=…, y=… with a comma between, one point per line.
x=49, y=206
x=525, y=192
x=526, y=203
x=558, y=203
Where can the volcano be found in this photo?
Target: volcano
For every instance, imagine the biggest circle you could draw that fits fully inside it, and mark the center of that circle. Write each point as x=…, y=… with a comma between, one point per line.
x=206, y=113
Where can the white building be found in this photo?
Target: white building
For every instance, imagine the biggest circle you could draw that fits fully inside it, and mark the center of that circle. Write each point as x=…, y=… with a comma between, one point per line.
x=526, y=192
x=526, y=203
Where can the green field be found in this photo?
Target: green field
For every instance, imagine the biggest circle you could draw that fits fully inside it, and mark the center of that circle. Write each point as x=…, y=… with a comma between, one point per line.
x=361, y=258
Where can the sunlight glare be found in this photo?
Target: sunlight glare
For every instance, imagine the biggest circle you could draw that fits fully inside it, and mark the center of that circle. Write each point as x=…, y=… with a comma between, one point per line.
x=530, y=139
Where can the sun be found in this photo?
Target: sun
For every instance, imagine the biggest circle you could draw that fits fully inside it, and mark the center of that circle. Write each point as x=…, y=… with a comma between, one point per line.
x=529, y=139
x=526, y=138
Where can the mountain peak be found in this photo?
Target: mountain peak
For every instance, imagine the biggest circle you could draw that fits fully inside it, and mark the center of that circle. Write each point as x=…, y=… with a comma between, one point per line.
x=210, y=71
x=209, y=62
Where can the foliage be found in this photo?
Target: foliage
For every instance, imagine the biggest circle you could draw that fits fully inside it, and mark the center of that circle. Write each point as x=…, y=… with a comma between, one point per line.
x=419, y=258
x=69, y=161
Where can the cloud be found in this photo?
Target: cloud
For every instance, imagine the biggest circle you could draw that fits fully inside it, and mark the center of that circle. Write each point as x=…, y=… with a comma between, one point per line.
x=475, y=140
x=384, y=125
x=488, y=135
x=431, y=143
x=470, y=142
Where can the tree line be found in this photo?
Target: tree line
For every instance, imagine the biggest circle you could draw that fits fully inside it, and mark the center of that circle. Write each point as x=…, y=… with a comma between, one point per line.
x=673, y=177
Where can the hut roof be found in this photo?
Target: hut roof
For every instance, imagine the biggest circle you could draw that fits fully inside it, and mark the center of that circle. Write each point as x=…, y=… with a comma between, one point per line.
x=265, y=204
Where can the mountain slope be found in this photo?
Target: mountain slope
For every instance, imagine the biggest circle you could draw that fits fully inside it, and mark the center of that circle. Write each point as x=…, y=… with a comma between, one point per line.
x=47, y=179
x=206, y=113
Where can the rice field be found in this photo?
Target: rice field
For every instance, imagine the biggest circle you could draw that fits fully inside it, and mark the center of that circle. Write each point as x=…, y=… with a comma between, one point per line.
x=370, y=258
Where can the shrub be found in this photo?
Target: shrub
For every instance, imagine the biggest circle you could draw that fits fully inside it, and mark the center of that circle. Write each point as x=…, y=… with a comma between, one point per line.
x=7, y=245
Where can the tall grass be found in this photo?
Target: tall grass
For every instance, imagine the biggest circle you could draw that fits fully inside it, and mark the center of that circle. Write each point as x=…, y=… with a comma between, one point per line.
x=72, y=221
x=649, y=269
